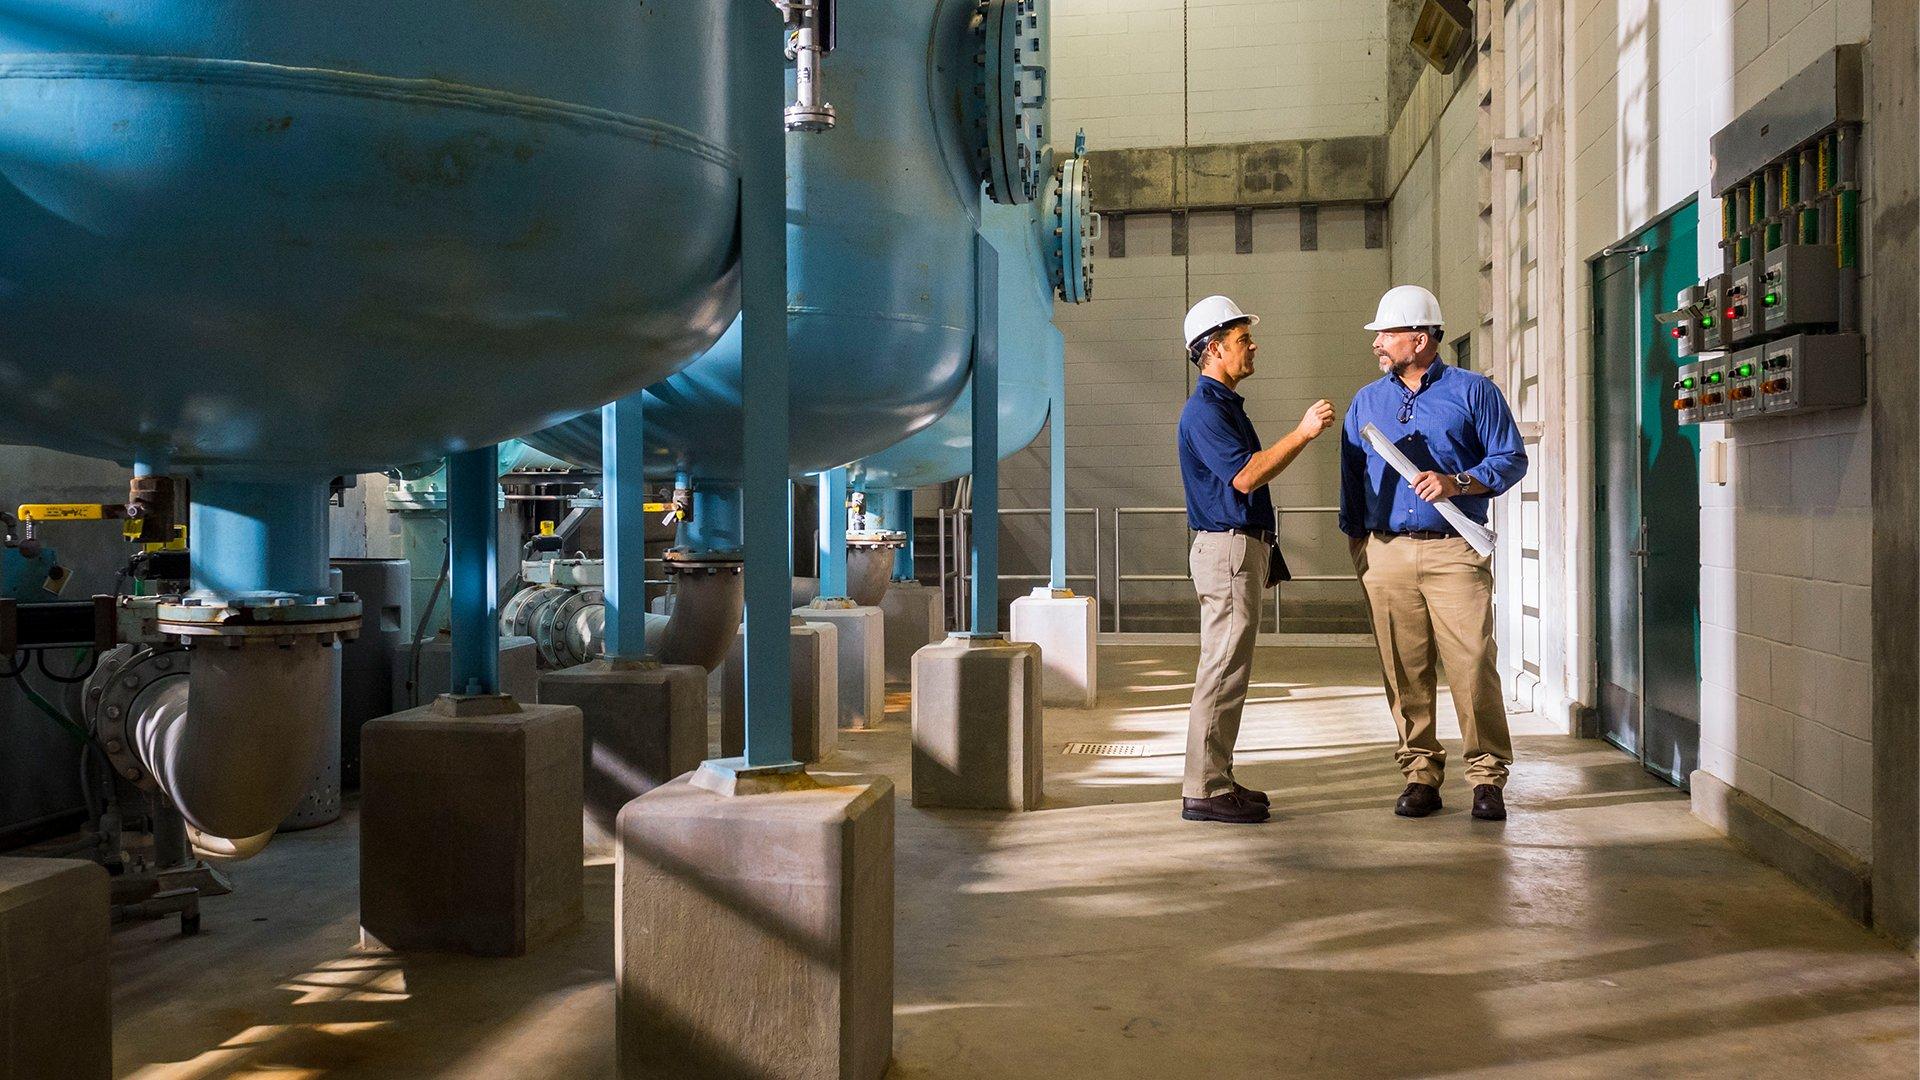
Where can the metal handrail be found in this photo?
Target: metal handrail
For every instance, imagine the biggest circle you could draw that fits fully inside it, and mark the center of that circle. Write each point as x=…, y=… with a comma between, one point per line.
x=1120, y=578
x=960, y=576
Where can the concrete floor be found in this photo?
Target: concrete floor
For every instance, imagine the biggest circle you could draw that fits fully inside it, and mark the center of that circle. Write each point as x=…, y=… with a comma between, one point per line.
x=1603, y=931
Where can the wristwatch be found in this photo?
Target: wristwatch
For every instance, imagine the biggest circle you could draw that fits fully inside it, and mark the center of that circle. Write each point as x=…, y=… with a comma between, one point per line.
x=1465, y=480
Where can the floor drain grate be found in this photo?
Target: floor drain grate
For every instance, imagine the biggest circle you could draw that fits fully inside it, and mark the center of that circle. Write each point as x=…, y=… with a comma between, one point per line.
x=1107, y=749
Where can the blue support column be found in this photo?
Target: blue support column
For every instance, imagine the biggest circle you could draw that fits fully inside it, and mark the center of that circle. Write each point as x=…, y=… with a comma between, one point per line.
x=473, y=525
x=759, y=69
x=1057, y=476
x=900, y=512
x=623, y=519
x=833, y=533
x=984, y=532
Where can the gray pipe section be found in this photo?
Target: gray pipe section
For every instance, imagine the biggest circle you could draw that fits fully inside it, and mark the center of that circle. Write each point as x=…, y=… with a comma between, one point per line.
x=243, y=755
x=707, y=606
x=869, y=572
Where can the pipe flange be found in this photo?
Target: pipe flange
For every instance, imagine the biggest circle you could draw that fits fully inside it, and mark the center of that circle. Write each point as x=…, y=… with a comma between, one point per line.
x=682, y=561
x=530, y=614
x=1075, y=227
x=109, y=700
x=568, y=652
x=1011, y=93
x=877, y=538
x=288, y=615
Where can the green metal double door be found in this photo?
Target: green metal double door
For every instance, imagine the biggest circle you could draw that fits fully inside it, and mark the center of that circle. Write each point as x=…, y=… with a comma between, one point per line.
x=1647, y=543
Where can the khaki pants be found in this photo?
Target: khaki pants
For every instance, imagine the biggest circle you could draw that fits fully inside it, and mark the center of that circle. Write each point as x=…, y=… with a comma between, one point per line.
x=1229, y=573
x=1429, y=597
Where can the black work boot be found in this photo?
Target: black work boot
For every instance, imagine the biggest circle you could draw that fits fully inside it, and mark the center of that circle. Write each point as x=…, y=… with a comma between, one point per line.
x=1489, y=803
x=1418, y=800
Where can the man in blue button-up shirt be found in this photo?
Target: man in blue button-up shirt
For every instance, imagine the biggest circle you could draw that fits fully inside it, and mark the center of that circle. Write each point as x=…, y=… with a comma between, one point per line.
x=1427, y=590
x=1226, y=471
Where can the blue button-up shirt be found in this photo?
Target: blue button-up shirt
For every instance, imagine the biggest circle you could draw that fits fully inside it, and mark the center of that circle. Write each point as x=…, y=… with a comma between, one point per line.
x=1456, y=422
x=1216, y=439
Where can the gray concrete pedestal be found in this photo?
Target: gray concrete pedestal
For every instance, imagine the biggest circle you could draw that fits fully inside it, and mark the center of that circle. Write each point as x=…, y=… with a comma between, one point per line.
x=753, y=933
x=470, y=826
x=1064, y=627
x=519, y=669
x=977, y=724
x=642, y=724
x=916, y=616
x=816, y=692
x=863, y=658
x=56, y=984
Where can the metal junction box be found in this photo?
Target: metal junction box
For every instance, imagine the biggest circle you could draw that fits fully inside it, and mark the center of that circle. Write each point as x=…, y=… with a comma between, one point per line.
x=1813, y=371
x=1683, y=322
x=1686, y=392
x=1743, y=302
x=1713, y=323
x=1713, y=389
x=1743, y=383
x=1800, y=287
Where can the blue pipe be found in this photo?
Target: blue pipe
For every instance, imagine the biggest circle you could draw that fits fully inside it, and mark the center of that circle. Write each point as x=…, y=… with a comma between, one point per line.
x=760, y=98
x=833, y=533
x=473, y=479
x=716, y=522
x=985, y=530
x=623, y=516
x=255, y=537
x=902, y=511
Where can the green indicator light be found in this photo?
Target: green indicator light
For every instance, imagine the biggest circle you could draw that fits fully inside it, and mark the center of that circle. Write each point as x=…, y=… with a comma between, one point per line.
x=1686, y=383
x=1714, y=377
x=1706, y=320
x=1770, y=299
x=1744, y=370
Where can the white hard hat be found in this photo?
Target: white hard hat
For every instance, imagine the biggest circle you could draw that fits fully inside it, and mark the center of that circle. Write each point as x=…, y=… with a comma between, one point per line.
x=1211, y=314
x=1407, y=305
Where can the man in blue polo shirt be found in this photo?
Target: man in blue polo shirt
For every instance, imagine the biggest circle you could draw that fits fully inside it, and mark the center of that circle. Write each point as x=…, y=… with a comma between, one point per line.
x=1428, y=591
x=1226, y=471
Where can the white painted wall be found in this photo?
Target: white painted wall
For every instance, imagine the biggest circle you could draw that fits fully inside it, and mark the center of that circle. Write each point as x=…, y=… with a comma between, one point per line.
x=1432, y=218
x=1785, y=546
x=1176, y=72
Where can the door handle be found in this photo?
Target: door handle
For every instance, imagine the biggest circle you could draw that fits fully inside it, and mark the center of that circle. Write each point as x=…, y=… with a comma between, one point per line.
x=1640, y=551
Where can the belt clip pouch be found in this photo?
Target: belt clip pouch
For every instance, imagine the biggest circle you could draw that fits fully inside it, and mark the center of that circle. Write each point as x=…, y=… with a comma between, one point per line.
x=1277, y=571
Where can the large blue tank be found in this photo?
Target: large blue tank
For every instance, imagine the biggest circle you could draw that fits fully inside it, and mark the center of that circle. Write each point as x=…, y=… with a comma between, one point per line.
x=231, y=230
x=883, y=211
x=1044, y=253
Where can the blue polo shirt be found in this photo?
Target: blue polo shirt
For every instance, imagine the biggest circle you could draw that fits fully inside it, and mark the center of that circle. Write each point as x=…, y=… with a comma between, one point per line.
x=1456, y=422
x=1216, y=439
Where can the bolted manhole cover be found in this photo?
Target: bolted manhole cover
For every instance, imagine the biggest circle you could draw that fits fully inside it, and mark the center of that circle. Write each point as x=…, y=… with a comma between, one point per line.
x=1107, y=749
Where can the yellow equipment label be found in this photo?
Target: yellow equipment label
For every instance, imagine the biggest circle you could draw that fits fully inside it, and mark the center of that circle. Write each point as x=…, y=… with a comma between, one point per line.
x=62, y=512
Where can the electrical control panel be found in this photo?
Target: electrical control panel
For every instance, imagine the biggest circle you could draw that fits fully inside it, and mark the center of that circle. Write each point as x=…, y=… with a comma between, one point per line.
x=1800, y=287
x=1713, y=389
x=1743, y=375
x=1687, y=390
x=1713, y=324
x=1813, y=371
x=1742, y=307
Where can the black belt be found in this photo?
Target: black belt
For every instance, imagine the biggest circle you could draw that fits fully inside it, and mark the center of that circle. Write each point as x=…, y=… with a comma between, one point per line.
x=1417, y=534
x=1261, y=535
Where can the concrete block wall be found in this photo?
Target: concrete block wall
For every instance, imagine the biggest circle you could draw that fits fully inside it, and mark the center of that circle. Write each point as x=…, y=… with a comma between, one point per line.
x=1172, y=72
x=1785, y=593
x=1127, y=379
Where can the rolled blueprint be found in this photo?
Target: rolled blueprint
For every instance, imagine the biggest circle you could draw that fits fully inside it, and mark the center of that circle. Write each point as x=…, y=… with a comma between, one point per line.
x=1470, y=530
